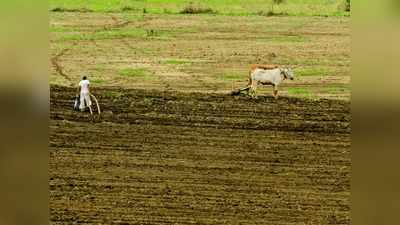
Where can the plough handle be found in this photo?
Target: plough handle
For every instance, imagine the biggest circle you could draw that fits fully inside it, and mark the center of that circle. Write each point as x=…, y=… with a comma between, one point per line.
x=97, y=103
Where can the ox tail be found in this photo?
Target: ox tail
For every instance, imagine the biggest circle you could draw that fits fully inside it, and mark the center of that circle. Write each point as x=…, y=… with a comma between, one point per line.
x=249, y=78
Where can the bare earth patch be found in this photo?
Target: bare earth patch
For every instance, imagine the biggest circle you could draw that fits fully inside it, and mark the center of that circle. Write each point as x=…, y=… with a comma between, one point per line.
x=100, y=44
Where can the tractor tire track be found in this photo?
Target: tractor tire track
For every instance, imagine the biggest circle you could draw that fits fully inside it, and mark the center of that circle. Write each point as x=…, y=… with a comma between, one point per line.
x=55, y=61
x=116, y=24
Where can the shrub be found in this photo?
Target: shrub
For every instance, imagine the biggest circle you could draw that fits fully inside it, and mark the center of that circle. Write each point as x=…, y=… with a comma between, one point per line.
x=348, y=6
x=195, y=9
x=152, y=33
x=345, y=6
x=128, y=8
x=271, y=13
x=275, y=2
x=61, y=9
x=166, y=11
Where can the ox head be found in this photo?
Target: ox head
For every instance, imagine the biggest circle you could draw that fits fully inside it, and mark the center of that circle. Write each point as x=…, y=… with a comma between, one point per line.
x=288, y=73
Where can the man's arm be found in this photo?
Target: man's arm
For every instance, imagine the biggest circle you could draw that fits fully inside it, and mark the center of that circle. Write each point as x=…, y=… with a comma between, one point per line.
x=77, y=90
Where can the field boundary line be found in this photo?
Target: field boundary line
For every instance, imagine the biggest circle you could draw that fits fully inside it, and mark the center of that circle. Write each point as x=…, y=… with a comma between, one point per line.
x=58, y=67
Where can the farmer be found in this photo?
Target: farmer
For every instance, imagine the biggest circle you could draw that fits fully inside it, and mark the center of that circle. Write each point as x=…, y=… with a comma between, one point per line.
x=83, y=89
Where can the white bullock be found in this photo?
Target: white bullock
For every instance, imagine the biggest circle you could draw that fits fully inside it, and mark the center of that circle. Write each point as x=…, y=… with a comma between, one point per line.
x=272, y=77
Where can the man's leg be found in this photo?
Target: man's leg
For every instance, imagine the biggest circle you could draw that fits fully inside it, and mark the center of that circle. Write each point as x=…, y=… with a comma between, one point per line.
x=82, y=102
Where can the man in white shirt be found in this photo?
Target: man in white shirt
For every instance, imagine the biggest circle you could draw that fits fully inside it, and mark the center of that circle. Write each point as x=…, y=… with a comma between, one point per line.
x=84, y=95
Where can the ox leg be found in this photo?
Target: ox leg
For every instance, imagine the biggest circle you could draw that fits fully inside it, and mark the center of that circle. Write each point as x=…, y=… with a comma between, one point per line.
x=250, y=91
x=254, y=89
x=275, y=91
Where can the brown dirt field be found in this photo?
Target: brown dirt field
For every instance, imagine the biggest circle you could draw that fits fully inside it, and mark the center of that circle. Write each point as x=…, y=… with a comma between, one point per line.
x=165, y=157
x=202, y=53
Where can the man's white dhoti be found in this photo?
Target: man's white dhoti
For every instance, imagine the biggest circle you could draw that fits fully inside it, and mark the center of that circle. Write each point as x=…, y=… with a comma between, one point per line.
x=85, y=100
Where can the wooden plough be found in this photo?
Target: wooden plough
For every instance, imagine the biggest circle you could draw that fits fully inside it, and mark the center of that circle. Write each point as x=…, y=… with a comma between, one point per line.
x=77, y=103
x=240, y=90
x=97, y=104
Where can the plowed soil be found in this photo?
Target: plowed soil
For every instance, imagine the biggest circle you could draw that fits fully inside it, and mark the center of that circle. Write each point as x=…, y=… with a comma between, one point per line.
x=158, y=157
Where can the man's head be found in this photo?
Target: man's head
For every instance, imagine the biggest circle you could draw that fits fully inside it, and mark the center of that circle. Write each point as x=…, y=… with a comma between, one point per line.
x=84, y=78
